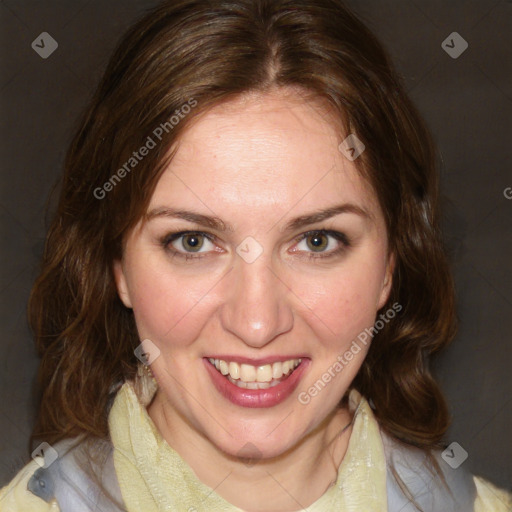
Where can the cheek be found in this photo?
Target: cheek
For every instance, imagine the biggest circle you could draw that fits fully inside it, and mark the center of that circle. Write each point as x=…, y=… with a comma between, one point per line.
x=341, y=304
x=168, y=306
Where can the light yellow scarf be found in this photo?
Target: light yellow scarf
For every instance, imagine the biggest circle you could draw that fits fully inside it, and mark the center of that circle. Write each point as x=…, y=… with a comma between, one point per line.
x=153, y=477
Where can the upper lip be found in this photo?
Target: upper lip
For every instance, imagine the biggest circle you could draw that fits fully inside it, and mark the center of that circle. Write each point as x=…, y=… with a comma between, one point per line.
x=255, y=362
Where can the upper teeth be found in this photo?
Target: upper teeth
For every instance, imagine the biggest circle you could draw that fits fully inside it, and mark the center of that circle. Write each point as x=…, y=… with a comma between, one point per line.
x=250, y=373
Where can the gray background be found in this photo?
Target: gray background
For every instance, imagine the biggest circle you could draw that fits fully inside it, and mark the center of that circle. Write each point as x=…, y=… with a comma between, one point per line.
x=466, y=101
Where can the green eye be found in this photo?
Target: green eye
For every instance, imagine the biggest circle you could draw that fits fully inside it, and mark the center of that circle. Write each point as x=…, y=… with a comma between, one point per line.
x=322, y=243
x=192, y=242
x=189, y=245
x=317, y=242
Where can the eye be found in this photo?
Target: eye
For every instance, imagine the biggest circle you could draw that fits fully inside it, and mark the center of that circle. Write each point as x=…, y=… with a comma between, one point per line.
x=322, y=243
x=189, y=242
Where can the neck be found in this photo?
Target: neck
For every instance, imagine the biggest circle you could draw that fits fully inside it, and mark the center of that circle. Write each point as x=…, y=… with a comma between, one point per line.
x=289, y=482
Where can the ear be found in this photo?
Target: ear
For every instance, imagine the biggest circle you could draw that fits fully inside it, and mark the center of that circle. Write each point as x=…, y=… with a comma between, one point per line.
x=122, y=288
x=388, y=281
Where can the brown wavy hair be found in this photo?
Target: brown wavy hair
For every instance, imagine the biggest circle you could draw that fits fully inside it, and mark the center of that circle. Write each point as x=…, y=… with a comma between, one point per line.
x=209, y=52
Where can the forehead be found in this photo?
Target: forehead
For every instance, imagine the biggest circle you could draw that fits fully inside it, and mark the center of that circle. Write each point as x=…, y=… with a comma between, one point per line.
x=275, y=150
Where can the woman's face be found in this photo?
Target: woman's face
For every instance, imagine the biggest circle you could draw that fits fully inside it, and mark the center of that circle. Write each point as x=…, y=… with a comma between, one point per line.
x=262, y=245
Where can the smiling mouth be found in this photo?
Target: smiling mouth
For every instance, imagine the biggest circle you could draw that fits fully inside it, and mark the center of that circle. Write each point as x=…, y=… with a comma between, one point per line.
x=255, y=377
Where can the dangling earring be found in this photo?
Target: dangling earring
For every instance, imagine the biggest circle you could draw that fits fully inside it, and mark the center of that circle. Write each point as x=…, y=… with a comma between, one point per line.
x=144, y=372
x=145, y=384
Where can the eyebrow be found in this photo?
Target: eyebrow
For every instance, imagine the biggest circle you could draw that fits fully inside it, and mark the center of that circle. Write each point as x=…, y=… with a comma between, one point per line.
x=321, y=215
x=218, y=224
x=212, y=222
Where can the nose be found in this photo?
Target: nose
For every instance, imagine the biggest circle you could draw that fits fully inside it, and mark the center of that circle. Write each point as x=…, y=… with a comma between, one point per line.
x=257, y=307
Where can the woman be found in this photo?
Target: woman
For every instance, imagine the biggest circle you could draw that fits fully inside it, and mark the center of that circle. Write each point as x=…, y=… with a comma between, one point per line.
x=245, y=256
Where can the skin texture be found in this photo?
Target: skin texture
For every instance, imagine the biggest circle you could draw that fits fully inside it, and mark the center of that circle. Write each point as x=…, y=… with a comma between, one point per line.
x=257, y=163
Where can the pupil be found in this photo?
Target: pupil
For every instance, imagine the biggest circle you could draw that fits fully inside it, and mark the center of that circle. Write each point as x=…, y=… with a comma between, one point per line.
x=318, y=241
x=192, y=242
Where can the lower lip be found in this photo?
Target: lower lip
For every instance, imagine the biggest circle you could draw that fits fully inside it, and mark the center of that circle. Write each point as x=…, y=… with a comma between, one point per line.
x=256, y=397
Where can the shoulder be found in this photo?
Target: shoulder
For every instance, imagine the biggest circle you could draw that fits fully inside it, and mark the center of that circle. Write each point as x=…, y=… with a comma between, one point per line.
x=74, y=475
x=434, y=485
x=16, y=496
x=490, y=498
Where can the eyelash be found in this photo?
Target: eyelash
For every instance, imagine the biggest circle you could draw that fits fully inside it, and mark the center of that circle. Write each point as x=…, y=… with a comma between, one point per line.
x=340, y=237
